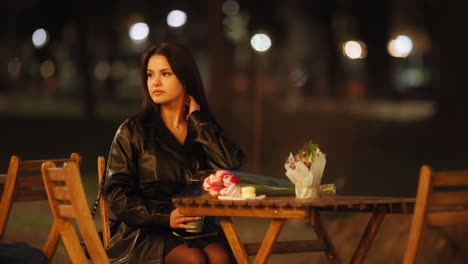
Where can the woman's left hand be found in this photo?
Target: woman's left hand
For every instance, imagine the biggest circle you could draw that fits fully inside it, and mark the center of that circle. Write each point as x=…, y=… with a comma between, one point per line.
x=178, y=220
x=192, y=104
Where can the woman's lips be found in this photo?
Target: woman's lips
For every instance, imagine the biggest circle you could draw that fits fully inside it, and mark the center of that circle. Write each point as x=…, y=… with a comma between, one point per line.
x=158, y=92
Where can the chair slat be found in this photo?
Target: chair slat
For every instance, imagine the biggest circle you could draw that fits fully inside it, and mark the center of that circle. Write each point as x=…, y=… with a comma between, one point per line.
x=447, y=218
x=456, y=178
x=66, y=210
x=30, y=181
x=56, y=174
x=61, y=193
x=30, y=165
x=34, y=165
x=441, y=198
x=30, y=195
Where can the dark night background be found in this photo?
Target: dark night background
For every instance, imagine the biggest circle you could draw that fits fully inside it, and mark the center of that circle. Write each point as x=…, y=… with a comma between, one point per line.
x=378, y=118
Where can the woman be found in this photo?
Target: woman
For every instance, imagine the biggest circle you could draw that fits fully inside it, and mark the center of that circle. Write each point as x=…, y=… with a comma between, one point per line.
x=155, y=156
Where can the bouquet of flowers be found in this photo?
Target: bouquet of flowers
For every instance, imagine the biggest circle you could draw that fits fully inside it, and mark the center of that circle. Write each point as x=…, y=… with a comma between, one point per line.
x=225, y=183
x=305, y=170
x=222, y=182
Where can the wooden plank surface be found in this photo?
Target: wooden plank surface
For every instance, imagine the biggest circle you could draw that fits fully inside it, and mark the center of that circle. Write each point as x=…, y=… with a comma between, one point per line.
x=450, y=178
x=450, y=197
x=290, y=203
x=244, y=211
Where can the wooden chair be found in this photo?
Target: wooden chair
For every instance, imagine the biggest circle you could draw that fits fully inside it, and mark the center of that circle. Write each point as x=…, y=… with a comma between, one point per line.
x=68, y=202
x=441, y=199
x=103, y=209
x=22, y=183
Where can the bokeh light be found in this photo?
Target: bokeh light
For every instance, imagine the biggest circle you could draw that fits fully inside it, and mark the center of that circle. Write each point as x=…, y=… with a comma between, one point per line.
x=230, y=7
x=138, y=31
x=47, y=69
x=354, y=49
x=14, y=68
x=176, y=18
x=118, y=70
x=40, y=37
x=102, y=70
x=400, y=47
x=260, y=42
x=299, y=77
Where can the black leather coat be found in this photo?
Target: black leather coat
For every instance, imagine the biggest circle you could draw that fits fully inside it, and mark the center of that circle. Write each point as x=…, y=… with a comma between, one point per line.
x=145, y=170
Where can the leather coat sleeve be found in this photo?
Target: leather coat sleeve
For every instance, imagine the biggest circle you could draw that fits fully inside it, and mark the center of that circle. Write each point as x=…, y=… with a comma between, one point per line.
x=221, y=153
x=122, y=192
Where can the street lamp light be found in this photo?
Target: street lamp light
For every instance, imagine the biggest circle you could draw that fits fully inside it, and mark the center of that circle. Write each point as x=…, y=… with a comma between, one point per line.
x=176, y=18
x=40, y=37
x=400, y=47
x=138, y=32
x=260, y=42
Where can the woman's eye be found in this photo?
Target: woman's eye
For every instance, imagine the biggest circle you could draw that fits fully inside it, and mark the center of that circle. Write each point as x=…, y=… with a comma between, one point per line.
x=149, y=75
x=165, y=74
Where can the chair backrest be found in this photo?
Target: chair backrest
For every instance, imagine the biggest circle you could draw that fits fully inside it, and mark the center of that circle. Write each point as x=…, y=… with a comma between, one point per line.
x=69, y=205
x=22, y=183
x=104, y=210
x=441, y=199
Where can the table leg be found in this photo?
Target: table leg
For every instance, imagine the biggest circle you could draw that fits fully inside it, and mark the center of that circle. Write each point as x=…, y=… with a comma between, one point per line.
x=322, y=235
x=234, y=240
x=368, y=236
x=270, y=238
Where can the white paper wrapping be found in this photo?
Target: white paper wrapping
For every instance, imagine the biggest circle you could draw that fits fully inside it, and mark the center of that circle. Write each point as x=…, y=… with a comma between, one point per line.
x=306, y=180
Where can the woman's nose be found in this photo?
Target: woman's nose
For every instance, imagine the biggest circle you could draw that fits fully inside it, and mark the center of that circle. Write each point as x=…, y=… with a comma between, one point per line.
x=156, y=81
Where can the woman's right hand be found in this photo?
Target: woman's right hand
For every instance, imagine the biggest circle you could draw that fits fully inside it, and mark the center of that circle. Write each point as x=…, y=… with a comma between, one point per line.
x=192, y=105
x=178, y=220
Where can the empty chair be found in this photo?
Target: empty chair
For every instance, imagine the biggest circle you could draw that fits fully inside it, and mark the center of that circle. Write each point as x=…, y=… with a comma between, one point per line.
x=69, y=205
x=441, y=199
x=23, y=183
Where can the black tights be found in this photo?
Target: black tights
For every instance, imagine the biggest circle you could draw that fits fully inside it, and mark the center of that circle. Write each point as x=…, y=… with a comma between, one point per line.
x=213, y=253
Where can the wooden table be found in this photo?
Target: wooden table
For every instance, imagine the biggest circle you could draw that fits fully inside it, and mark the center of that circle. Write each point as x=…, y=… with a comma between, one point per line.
x=280, y=209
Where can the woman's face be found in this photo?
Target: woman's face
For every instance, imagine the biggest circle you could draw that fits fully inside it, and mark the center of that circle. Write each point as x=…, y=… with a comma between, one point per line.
x=163, y=85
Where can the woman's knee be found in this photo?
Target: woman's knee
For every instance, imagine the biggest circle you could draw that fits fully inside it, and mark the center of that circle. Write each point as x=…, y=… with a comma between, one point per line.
x=195, y=257
x=217, y=253
x=186, y=255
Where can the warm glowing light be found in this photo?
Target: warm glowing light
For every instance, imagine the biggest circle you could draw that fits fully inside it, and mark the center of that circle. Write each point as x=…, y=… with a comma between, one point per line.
x=298, y=77
x=176, y=18
x=354, y=49
x=400, y=47
x=230, y=7
x=102, y=70
x=40, y=37
x=138, y=31
x=14, y=68
x=47, y=69
x=118, y=70
x=260, y=42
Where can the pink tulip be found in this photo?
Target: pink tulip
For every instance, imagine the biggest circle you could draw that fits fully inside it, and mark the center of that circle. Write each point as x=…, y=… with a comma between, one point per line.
x=223, y=182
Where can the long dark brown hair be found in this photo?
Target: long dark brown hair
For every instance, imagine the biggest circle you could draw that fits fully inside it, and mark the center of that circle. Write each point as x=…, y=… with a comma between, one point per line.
x=184, y=67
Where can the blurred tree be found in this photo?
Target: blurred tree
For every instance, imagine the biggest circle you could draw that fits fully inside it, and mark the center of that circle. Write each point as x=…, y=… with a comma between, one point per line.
x=447, y=23
x=373, y=17
x=219, y=61
x=334, y=70
x=83, y=59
